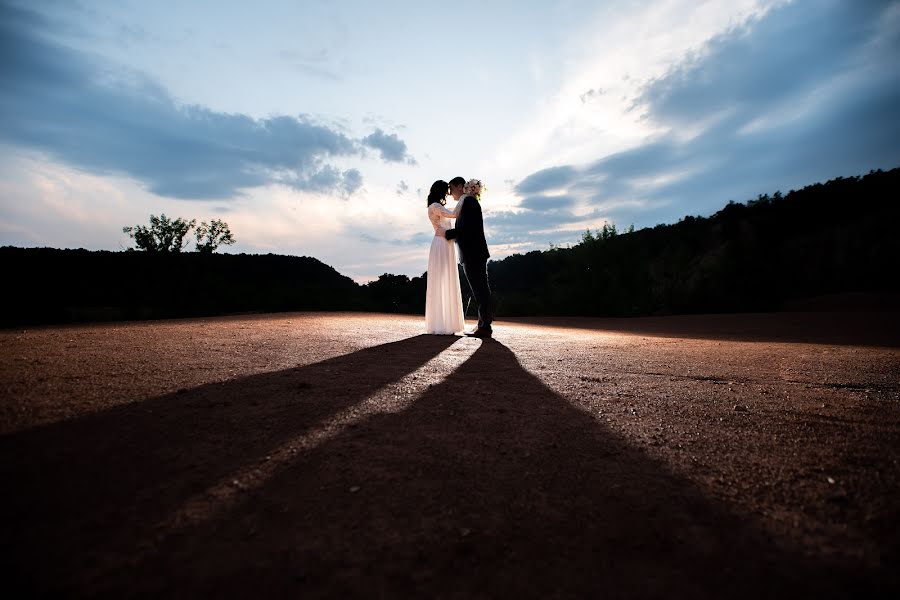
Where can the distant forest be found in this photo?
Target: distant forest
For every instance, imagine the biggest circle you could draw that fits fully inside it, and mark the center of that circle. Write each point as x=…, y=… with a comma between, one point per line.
x=836, y=237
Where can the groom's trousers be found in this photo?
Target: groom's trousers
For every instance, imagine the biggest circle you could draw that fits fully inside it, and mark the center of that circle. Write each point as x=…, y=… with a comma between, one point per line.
x=476, y=275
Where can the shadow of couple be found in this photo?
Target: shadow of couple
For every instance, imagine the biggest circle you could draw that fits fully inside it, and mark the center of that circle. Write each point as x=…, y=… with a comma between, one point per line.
x=488, y=484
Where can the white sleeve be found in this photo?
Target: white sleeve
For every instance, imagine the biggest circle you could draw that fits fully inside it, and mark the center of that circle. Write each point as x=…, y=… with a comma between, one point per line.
x=450, y=214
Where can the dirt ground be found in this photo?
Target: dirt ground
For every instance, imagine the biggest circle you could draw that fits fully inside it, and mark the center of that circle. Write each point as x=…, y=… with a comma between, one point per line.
x=334, y=455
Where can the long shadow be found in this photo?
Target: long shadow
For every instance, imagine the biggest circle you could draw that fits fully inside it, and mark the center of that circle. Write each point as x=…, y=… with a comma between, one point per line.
x=873, y=328
x=77, y=492
x=490, y=485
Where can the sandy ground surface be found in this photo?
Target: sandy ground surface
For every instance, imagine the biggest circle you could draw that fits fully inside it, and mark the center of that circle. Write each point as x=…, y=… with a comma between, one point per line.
x=327, y=455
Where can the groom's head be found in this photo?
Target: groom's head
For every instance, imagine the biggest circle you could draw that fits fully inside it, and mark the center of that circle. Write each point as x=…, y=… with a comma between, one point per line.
x=456, y=187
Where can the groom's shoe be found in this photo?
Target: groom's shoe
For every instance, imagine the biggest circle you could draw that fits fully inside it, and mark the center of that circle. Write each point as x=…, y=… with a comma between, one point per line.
x=481, y=332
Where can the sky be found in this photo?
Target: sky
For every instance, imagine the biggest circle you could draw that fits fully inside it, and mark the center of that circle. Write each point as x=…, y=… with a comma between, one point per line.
x=315, y=128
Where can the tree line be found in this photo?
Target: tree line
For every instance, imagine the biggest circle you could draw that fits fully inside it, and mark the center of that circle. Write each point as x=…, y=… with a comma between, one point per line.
x=50, y=285
x=827, y=238
x=760, y=255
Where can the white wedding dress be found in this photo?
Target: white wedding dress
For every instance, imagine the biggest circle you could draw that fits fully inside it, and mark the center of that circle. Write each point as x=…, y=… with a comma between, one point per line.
x=443, y=300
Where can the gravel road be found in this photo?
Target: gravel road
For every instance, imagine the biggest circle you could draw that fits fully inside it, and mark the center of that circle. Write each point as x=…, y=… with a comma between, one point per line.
x=333, y=455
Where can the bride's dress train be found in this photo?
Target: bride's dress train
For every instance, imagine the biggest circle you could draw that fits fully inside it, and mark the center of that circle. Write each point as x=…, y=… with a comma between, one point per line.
x=443, y=298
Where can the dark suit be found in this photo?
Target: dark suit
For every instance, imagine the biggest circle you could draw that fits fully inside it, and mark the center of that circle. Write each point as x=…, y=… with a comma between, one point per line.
x=473, y=252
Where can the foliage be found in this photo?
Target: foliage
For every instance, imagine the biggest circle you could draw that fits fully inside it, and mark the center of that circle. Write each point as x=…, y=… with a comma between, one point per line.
x=163, y=235
x=396, y=294
x=607, y=232
x=55, y=286
x=168, y=235
x=826, y=238
x=211, y=236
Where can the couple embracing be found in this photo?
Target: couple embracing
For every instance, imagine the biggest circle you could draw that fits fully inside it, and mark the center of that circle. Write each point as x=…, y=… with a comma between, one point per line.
x=443, y=299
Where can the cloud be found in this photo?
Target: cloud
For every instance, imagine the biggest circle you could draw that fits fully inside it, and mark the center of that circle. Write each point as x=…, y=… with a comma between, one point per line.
x=93, y=115
x=539, y=227
x=803, y=94
x=402, y=188
x=329, y=179
x=548, y=203
x=547, y=180
x=416, y=239
x=511, y=222
x=766, y=62
x=591, y=94
x=391, y=147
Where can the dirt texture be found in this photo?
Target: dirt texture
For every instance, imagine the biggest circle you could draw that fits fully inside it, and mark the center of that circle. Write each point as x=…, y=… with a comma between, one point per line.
x=348, y=455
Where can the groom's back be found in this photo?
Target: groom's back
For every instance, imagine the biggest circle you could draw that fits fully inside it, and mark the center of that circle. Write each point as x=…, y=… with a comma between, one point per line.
x=470, y=228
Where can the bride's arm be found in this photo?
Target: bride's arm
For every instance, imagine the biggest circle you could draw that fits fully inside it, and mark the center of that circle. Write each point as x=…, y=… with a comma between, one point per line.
x=453, y=233
x=440, y=210
x=450, y=214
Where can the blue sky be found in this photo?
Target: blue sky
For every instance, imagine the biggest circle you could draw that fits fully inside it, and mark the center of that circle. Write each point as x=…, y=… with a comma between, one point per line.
x=315, y=128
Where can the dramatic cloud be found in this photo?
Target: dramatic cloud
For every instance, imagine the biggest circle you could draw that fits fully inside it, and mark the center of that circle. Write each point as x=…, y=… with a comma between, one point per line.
x=806, y=93
x=90, y=114
x=548, y=203
x=391, y=147
x=648, y=112
x=330, y=179
x=767, y=64
x=533, y=227
x=547, y=180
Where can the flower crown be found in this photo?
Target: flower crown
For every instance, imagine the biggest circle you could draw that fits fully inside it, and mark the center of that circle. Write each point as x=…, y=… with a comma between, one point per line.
x=474, y=187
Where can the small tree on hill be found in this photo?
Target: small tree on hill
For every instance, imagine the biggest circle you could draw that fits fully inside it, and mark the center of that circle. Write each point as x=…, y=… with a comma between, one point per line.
x=211, y=236
x=163, y=235
x=608, y=231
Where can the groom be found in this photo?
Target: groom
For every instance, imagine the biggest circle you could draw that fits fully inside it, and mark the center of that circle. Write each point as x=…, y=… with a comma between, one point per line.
x=473, y=251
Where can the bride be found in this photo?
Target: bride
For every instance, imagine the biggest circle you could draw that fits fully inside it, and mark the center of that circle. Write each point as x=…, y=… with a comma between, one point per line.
x=443, y=300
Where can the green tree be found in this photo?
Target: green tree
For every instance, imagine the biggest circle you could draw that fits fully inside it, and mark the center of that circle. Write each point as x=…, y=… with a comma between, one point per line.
x=608, y=231
x=210, y=236
x=163, y=235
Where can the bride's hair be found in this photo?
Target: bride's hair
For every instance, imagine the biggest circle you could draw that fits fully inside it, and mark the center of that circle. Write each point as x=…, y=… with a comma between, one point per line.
x=438, y=192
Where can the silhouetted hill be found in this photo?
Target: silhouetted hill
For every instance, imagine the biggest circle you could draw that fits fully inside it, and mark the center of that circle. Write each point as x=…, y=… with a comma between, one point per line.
x=830, y=238
x=48, y=285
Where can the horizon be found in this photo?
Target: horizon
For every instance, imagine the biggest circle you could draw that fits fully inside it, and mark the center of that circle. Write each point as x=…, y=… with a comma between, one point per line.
x=620, y=231
x=312, y=136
